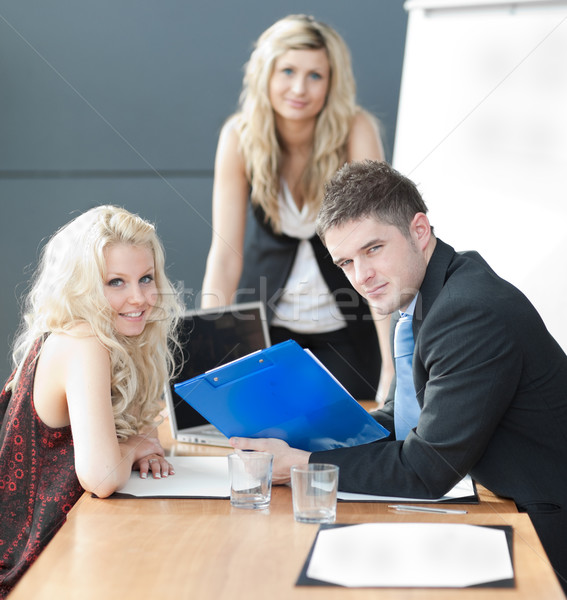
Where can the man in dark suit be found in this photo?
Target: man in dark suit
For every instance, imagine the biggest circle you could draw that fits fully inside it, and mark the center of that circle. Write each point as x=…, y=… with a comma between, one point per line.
x=490, y=382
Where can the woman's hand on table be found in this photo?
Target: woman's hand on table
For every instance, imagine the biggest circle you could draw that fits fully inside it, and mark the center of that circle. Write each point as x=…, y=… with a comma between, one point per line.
x=150, y=457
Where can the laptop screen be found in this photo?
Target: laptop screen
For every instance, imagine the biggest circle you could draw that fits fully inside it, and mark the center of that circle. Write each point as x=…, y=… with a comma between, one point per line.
x=211, y=338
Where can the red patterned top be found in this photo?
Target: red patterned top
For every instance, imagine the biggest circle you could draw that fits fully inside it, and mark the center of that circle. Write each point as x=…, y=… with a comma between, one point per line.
x=38, y=484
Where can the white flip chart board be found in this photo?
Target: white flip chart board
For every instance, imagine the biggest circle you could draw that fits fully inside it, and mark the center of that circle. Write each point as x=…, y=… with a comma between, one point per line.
x=482, y=131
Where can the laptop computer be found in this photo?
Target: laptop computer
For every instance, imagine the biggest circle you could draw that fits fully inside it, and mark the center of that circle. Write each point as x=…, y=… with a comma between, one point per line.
x=210, y=338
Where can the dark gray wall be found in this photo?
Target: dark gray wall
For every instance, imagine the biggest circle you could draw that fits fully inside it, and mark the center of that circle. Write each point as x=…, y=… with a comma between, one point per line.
x=121, y=102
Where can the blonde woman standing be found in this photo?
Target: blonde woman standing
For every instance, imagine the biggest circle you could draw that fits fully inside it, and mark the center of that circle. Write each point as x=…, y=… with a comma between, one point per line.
x=91, y=359
x=298, y=123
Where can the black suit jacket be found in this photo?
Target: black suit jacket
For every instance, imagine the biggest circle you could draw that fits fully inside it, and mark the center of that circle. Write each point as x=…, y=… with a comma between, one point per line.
x=492, y=385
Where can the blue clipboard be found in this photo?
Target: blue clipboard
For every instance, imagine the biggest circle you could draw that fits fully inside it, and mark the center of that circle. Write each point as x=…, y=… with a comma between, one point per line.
x=281, y=392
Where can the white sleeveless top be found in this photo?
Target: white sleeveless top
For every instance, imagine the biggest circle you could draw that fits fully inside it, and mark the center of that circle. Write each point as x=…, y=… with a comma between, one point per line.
x=306, y=305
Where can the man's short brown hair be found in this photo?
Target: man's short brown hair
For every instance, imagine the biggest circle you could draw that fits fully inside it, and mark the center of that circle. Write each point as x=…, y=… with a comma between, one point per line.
x=369, y=189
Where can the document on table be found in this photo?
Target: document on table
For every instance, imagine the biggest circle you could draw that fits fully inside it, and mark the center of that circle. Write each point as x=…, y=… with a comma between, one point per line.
x=464, y=491
x=195, y=477
x=425, y=555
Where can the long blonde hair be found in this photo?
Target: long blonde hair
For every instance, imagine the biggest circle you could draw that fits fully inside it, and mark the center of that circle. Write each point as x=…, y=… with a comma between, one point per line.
x=256, y=123
x=68, y=290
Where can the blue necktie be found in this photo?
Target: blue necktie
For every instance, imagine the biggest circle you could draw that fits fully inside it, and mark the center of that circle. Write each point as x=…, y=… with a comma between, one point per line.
x=406, y=408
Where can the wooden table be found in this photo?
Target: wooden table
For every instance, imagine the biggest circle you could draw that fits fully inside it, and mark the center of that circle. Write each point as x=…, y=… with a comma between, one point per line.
x=205, y=549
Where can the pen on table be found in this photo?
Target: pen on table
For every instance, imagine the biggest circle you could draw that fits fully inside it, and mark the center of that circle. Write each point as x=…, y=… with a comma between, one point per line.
x=408, y=508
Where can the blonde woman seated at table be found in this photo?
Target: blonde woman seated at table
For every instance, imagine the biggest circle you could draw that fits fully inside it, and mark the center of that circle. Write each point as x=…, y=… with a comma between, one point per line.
x=298, y=123
x=91, y=360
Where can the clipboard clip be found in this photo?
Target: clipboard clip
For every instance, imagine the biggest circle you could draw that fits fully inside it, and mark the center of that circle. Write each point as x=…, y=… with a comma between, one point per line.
x=237, y=370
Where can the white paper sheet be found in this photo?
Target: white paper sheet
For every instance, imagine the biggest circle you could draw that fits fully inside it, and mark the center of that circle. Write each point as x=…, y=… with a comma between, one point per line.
x=195, y=477
x=411, y=555
x=463, y=489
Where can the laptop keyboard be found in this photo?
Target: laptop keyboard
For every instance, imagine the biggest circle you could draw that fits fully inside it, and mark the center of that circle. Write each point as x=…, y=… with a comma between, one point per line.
x=211, y=430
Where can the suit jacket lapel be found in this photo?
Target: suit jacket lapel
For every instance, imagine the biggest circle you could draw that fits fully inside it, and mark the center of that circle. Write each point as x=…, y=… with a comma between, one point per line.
x=435, y=276
x=433, y=282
